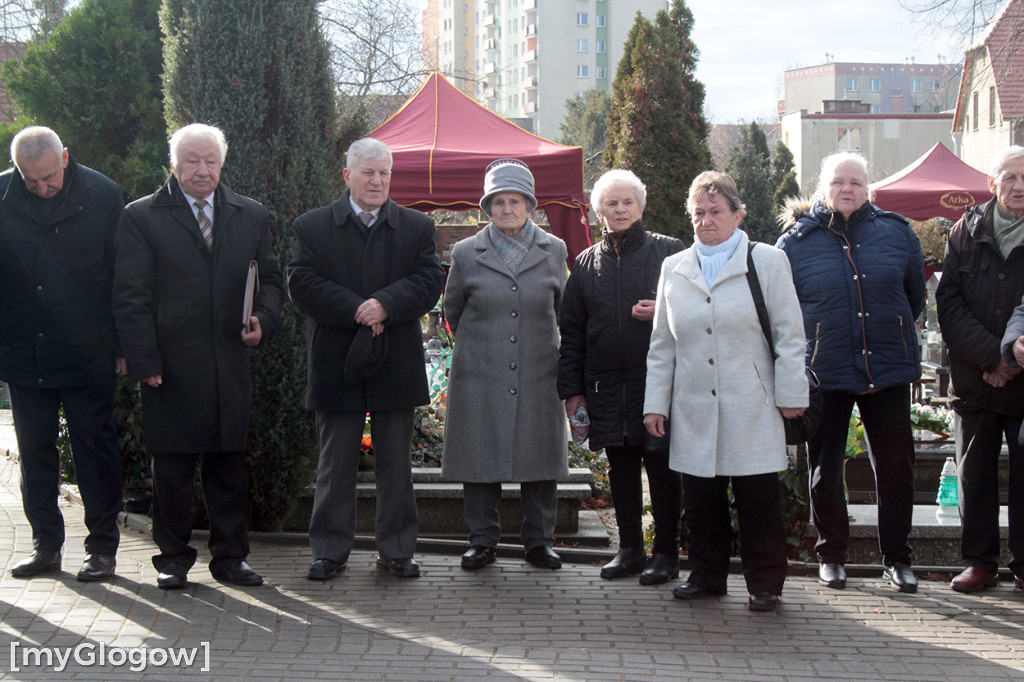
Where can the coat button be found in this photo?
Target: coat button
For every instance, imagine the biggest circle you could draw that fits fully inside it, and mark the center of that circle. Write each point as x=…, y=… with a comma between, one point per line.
x=1002, y=275
x=513, y=365
x=40, y=335
x=513, y=390
x=515, y=313
x=714, y=392
x=515, y=287
x=201, y=243
x=39, y=287
x=711, y=361
x=708, y=330
x=513, y=338
x=709, y=299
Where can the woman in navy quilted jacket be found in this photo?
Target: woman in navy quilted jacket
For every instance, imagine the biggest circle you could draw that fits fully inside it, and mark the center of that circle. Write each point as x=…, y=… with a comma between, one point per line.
x=859, y=274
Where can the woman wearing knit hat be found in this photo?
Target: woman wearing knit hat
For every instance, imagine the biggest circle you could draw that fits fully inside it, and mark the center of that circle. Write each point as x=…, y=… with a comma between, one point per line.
x=505, y=422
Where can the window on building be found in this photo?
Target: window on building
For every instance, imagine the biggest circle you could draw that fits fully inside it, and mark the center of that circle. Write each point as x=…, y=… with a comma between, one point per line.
x=599, y=21
x=601, y=73
x=875, y=85
x=582, y=71
x=915, y=85
x=599, y=47
x=873, y=109
x=935, y=86
x=848, y=139
x=851, y=85
x=974, y=111
x=582, y=45
x=582, y=19
x=896, y=93
x=991, y=106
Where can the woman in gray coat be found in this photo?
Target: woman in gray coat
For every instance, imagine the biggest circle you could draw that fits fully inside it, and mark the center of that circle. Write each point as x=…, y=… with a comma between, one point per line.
x=505, y=422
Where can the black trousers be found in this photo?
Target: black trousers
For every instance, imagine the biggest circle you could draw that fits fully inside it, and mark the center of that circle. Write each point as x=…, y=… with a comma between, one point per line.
x=886, y=417
x=762, y=533
x=627, y=492
x=225, y=489
x=979, y=439
x=97, y=457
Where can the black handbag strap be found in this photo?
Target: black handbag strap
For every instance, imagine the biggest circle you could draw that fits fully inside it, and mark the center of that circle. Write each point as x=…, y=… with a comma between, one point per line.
x=758, y=296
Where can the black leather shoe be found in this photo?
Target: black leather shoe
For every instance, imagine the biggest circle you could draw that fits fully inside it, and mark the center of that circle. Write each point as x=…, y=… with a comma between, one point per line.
x=628, y=561
x=238, y=573
x=400, y=568
x=97, y=567
x=900, y=577
x=762, y=601
x=478, y=556
x=543, y=556
x=325, y=569
x=37, y=563
x=172, y=577
x=663, y=567
x=1018, y=582
x=832, y=575
x=690, y=590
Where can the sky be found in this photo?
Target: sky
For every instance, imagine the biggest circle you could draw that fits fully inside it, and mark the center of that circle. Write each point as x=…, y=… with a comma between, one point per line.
x=745, y=46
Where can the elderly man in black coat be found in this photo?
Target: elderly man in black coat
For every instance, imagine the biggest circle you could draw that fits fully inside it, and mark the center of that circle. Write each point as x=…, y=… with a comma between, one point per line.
x=364, y=271
x=58, y=345
x=982, y=280
x=183, y=256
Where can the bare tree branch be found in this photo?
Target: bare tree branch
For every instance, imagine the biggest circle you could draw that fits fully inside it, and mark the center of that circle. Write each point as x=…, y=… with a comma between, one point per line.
x=376, y=45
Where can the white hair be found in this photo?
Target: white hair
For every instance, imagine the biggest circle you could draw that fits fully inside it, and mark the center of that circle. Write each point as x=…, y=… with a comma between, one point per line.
x=198, y=130
x=618, y=177
x=367, y=148
x=828, y=171
x=1003, y=157
x=32, y=142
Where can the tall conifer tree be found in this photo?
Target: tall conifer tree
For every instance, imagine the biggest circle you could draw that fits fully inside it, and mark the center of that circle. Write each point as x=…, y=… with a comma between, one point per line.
x=259, y=69
x=750, y=167
x=657, y=126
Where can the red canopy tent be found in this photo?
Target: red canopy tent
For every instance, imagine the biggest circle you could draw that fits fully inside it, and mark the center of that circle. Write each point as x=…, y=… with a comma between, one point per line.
x=442, y=142
x=936, y=185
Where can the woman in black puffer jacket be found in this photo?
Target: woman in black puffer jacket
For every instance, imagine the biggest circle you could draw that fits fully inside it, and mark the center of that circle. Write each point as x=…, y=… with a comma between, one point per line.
x=606, y=329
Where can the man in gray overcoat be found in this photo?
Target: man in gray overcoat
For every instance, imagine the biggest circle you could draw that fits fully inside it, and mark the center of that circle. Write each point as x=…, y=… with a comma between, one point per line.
x=364, y=271
x=183, y=257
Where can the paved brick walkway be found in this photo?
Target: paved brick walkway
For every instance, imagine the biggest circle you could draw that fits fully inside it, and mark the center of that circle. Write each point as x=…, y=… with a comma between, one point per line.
x=509, y=621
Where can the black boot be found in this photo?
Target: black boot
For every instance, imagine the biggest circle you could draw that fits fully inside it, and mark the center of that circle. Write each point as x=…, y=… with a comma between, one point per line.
x=628, y=561
x=663, y=567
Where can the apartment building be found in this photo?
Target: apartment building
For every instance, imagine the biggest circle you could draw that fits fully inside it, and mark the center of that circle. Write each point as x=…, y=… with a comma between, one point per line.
x=523, y=59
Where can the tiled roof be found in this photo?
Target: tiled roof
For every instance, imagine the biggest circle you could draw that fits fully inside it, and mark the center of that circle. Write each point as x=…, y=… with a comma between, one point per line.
x=1005, y=44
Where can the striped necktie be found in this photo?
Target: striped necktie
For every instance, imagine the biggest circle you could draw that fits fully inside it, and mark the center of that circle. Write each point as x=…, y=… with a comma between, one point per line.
x=204, y=222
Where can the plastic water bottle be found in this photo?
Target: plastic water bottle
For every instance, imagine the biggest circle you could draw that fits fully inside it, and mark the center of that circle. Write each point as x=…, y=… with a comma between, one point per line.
x=948, y=499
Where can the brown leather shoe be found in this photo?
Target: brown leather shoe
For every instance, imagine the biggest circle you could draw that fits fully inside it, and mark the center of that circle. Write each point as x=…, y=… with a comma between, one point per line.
x=974, y=579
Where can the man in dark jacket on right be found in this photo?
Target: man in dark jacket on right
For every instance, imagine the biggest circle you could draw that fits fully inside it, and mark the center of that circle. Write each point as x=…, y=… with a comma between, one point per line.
x=982, y=281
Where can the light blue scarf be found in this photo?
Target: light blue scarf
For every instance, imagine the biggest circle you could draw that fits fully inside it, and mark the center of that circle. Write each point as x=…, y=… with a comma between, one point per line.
x=713, y=258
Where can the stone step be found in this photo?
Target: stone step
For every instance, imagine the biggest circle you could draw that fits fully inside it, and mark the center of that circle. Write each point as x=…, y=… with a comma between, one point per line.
x=936, y=539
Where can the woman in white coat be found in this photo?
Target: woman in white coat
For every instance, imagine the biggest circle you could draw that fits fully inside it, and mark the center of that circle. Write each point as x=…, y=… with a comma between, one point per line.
x=709, y=368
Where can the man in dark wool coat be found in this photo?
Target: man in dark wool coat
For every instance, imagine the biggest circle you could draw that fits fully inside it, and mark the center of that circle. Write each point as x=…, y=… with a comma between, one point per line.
x=58, y=345
x=183, y=256
x=364, y=271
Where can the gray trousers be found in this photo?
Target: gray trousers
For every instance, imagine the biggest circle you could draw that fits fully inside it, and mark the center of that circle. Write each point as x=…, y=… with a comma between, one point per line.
x=540, y=506
x=333, y=523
